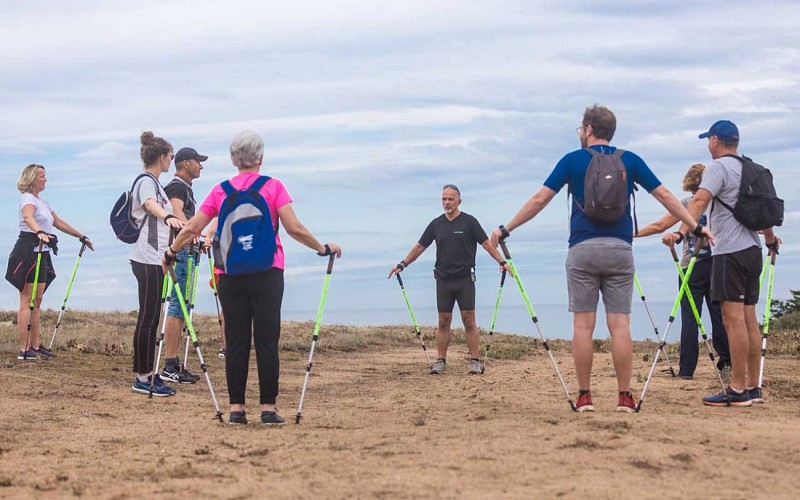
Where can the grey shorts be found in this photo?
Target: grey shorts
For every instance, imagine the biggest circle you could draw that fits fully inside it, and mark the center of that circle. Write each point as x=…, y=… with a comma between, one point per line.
x=600, y=265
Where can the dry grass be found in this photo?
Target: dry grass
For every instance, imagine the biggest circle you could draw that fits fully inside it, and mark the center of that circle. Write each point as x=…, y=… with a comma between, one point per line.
x=110, y=333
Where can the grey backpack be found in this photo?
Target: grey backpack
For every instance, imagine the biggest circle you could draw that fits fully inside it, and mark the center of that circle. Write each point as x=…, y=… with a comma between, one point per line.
x=605, y=187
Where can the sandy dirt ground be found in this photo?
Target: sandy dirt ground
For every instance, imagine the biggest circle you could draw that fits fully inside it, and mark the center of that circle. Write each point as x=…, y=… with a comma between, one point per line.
x=377, y=425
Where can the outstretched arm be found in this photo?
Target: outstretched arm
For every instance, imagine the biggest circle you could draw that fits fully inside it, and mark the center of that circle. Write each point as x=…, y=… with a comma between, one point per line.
x=528, y=211
x=491, y=250
x=413, y=254
x=688, y=216
x=300, y=233
x=659, y=226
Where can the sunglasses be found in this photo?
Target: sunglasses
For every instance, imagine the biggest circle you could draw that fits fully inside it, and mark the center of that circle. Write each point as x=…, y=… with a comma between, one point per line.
x=451, y=186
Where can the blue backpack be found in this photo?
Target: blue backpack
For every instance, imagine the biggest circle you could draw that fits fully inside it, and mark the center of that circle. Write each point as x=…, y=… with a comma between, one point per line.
x=244, y=242
x=122, y=223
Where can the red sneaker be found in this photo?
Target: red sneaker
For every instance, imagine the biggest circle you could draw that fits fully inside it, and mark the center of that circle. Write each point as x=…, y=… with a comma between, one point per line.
x=584, y=402
x=626, y=403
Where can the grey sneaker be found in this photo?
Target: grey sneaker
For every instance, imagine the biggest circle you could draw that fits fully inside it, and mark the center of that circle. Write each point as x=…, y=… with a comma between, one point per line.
x=475, y=367
x=439, y=367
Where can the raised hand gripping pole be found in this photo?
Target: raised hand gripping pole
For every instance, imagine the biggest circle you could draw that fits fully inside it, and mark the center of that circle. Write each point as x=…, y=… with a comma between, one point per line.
x=414, y=320
x=69, y=289
x=655, y=328
x=494, y=320
x=315, y=336
x=535, y=320
x=188, y=319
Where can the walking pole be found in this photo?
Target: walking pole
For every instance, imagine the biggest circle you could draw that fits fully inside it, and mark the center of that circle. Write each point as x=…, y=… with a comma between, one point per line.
x=191, y=279
x=764, y=272
x=414, y=320
x=693, y=306
x=165, y=300
x=494, y=319
x=195, y=342
x=33, y=299
x=69, y=289
x=216, y=294
x=535, y=320
x=670, y=321
x=655, y=328
x=315, y=336
x=767, y=314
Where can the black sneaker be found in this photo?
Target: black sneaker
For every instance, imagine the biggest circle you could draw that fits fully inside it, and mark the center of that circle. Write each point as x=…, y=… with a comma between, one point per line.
x=189, y=374
x=44, y=352
x=237, y=418
x=29, y=355
x=174, y=375
x=272, y=419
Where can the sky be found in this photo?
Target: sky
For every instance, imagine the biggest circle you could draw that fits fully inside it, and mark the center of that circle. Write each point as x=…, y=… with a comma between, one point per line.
x=368, y=108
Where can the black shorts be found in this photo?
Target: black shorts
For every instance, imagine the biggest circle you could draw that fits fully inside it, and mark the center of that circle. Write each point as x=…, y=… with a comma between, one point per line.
x=450, y=291
x=22, y=263
x=734, y=276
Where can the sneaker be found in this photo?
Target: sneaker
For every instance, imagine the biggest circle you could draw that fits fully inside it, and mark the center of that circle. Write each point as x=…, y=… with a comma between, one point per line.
x=728, y=398
x=175, y=375
x=475, y=367
x=756, y=395
x=272, y=419
x=584, y=402
x=189, y=374
x=221, y=353
x=237, y=418
x=159, y=389
x=626, y=403
x=439, y=367
x=44, y=352
x=29, y=355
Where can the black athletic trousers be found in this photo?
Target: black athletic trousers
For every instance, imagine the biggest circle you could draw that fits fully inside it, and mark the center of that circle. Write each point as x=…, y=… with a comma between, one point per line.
x=251, y=304
x=700, y=286
x=150, y=279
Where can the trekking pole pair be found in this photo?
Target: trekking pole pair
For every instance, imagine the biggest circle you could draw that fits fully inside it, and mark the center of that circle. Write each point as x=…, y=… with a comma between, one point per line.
x=693, y=306
x=671, y=320
x=772, y=254
x=655, y=328
x=28, y=346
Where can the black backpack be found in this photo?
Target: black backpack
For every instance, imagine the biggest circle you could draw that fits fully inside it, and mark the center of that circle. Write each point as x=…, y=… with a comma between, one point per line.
x=757, y=205
x=605, y=187
x=122, y=223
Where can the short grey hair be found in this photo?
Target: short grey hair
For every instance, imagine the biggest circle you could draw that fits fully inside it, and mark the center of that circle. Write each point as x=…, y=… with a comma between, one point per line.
x=247, y=149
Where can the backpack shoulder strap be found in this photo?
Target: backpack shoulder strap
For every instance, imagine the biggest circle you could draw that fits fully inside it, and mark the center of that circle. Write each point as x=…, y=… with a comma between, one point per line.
x=259, y=183
x=138, y=177
x=619, y=152
x=227, y=187
x=592, y=151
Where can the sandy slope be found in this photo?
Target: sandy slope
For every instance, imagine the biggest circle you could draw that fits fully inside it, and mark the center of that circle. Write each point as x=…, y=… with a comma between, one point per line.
x=376, y=425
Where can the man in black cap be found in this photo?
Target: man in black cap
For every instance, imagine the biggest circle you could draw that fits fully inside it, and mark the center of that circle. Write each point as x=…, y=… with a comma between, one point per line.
x=457, y=235
x=735, y=265
x=179, y=191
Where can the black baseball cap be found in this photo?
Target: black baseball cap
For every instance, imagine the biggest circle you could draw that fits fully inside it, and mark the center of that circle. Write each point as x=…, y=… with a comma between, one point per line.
x=188, y=154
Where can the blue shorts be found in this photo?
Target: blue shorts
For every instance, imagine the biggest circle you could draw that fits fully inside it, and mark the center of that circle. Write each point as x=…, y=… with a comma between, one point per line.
x=181, y=272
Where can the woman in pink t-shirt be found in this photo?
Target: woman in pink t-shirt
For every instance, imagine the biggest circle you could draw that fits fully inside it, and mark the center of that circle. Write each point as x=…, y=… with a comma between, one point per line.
x=251, y=303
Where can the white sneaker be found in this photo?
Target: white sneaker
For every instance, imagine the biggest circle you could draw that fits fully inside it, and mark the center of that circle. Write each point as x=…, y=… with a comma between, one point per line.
x=475, y=367
x=439, y=367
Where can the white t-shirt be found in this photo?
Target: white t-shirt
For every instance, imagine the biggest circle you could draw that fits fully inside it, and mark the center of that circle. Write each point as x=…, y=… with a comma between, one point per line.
x=42, y=214
x=722, y=178
x=154, y=235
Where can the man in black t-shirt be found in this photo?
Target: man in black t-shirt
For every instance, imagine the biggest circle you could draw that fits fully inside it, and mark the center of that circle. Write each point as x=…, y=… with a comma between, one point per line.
x=457, y=235
x=179, y=191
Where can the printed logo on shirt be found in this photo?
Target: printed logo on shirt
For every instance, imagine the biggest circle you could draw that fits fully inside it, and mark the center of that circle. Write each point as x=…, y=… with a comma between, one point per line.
x=458, y=232
x=246, y=241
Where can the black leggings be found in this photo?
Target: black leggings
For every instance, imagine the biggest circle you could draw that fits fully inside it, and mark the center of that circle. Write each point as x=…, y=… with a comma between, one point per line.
x=251, y=304
x=150, y=279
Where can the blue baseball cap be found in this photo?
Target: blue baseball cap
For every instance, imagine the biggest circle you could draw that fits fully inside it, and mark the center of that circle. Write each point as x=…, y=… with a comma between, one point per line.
x=724, y=129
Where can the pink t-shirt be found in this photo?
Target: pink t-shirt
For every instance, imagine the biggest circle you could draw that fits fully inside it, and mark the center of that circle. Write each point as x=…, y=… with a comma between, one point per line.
x=274, y=192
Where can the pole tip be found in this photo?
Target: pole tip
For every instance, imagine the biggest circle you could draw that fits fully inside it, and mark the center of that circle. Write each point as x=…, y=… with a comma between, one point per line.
x=297, y=419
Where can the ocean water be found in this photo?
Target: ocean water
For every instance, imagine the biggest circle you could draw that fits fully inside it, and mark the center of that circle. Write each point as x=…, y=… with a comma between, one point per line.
x=555, y=321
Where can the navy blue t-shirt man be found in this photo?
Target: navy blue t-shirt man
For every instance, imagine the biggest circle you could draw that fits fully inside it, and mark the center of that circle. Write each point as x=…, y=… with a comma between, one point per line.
x=600, y=258
x=457, y=235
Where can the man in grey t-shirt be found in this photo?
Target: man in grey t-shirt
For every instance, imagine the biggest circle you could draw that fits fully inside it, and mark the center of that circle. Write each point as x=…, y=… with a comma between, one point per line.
x=736, y=264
